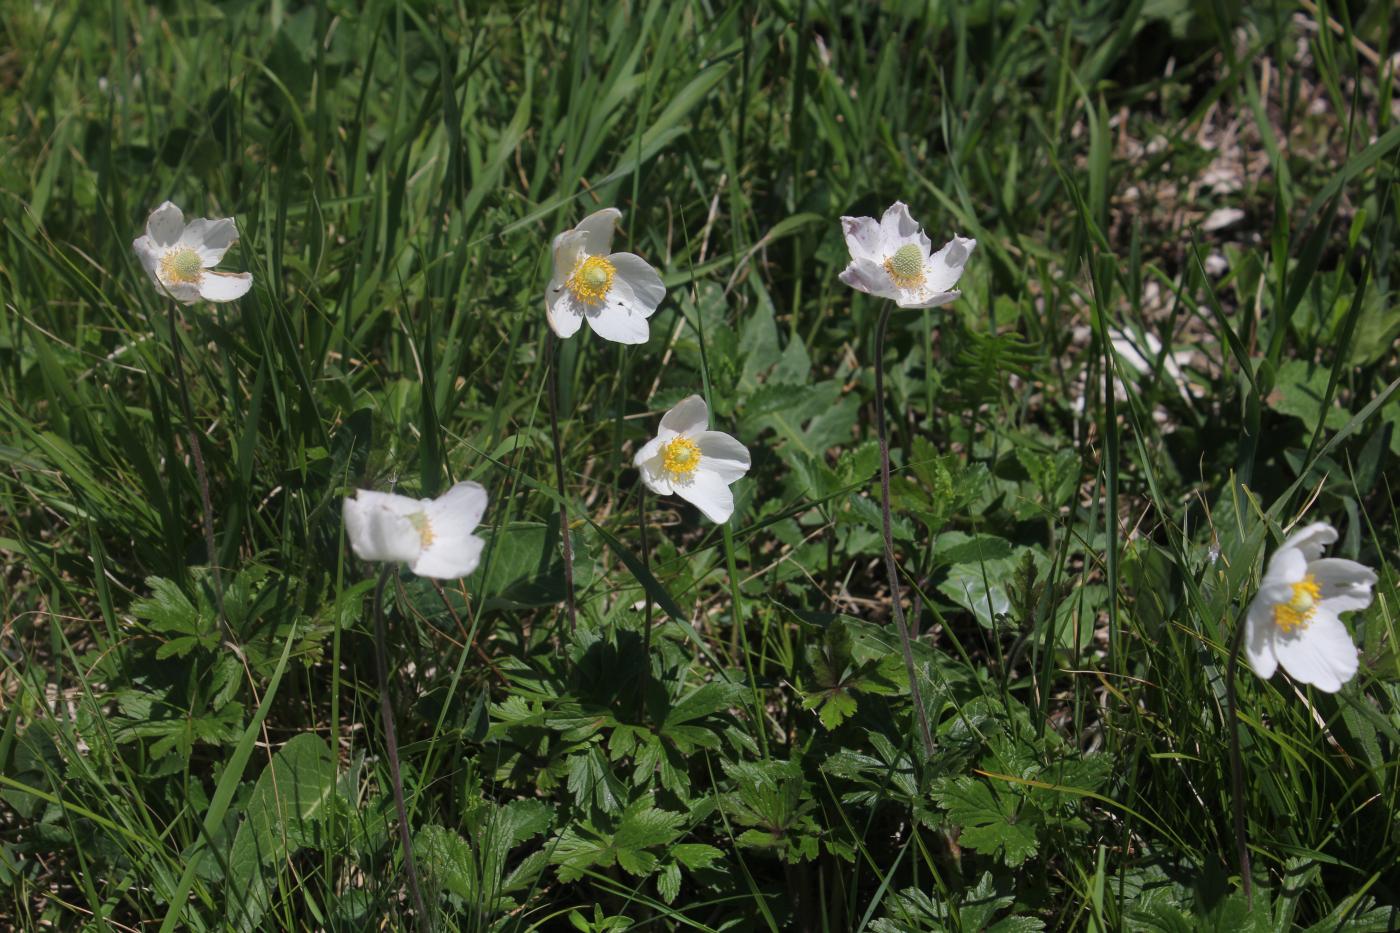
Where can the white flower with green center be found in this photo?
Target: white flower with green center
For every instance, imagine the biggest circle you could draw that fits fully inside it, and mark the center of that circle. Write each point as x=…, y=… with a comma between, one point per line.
x=614, y=292
x=1295, y=619
x=892, y=258
x=693, y=462
x=433, y=536
x=181, y=258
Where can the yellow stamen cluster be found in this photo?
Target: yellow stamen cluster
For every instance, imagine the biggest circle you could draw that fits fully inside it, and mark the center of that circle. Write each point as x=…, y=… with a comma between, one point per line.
x=591, y=279
x=1298, y=611
x=419, y=520
x=680, y=457
x=906, y=266
x=181, y=265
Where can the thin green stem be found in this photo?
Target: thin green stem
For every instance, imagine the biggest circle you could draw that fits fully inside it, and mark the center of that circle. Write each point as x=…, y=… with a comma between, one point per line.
x=646, y=619
x=905, y=643
x=391, y=740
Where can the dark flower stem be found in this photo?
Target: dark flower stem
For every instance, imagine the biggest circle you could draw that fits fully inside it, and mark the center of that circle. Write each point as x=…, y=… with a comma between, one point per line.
x=552, y=390
x=206, y=503
x=391, y=740
x=1237, y=767
x=905, y=643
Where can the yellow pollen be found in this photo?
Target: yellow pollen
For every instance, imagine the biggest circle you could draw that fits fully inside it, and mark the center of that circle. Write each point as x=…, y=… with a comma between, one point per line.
x=591, y=280
x=906, y=266
x=681, y=456
x=181, y=265
x=419, y=520
x=1298, y=611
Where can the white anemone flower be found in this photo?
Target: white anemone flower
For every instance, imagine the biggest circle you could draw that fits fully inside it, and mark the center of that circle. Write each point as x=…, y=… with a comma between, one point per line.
x=614, y=292
x=180, y=258
x=433, y=536
x=695, y=463
x=1295, y=619
x=893, y=258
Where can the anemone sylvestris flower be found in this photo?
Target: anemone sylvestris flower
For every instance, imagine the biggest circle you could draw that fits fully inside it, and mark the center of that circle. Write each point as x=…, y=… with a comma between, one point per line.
x=1295, y=619
x=893, y=258
x=180, y=258
x=614, y=292
x=433, y=536
x=695, y=463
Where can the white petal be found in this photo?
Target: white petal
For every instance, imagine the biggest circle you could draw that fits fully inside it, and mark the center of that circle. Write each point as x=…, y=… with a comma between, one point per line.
x=620, y=318
x=1259, y=638
x=1343, y=585
x=183, y=292
x=597, y=229
x=897, y=224
x=379, y=533
x=644, y=281
x=923, y=298
x=1321, y=654
x=867, y=276
x=567, y=250
x=392, y=502
x=650, y=451
x=149, y=255
x=563, y=313
x=653, y=471
x=210, y=238
x=690, y=416
x=165, y=225
x=1288, y=565
x=1312, y=540
x=224, y=286
x=709, y=493
x=451, y=556
x=945, y=267
x=723, y=455
x=863, y=239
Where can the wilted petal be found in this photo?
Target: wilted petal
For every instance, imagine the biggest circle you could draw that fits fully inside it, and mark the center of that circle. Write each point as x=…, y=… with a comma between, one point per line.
x=863, y=239
x=870, y=277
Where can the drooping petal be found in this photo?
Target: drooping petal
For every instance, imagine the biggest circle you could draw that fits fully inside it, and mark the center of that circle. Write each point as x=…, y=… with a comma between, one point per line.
x=597, y=230
x=1259, y=638
x=620, y=318
x=1343, y=585
x=224, y=286
x=379, y=533
x=452, y=555
x=1322, y=654
x=945, y=267
x=210, y=238
x=709, y=493
x=723, y=455
x=165, y=225
x=864, y=240
x=689, y=416
x=865, y=275
x=1312, y=540
x=641, y=278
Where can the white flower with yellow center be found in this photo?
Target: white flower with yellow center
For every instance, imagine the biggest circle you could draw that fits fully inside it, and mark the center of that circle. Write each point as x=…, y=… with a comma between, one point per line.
x=181, y=258
x=614, y=292
x=894, y=259
x=1295, y=620
x=433, y=536
x=695, y=463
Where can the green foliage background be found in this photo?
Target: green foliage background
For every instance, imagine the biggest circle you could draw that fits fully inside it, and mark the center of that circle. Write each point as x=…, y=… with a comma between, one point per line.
x=1077, y=556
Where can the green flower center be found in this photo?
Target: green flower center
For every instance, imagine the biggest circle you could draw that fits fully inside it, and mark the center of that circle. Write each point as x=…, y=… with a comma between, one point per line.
x=906, y=266
x=181, y=265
